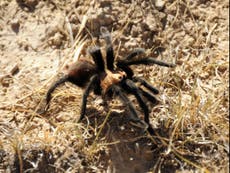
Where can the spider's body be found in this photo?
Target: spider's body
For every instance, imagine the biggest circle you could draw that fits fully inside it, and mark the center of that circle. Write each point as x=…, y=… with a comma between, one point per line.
x=112, y=78
x=80, y=73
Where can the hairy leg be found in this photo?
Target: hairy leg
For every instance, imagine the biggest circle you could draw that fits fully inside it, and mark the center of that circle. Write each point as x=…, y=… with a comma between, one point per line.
x=149, y=96
x=92, y=81
x=130, y=85
x=146, y=84
x=118, y=91
x=127, y=70
x=106, y=35
x=95, y=52
x=134, y=53
x=110, y=57
x=121, y=63
x=50, y=91
x=146, y=61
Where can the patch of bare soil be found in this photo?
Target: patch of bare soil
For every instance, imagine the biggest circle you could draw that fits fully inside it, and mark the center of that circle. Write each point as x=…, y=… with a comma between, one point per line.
x=38, y=38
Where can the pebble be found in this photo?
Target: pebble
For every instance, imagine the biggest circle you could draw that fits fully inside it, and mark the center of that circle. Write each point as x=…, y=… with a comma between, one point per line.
x=159, y=4
x=15, y=25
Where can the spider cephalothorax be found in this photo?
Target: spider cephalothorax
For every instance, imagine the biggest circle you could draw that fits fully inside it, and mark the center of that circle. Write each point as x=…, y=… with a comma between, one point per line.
x=109, y=77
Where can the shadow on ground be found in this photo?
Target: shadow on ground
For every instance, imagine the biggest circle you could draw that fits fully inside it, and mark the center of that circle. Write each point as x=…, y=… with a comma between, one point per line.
x=130, y=150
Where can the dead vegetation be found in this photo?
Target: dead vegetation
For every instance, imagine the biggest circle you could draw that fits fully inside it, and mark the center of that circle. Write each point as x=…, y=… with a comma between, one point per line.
x=192, y=120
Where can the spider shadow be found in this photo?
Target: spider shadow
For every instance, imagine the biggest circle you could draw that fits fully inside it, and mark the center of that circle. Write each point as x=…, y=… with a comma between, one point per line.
x=131, y=150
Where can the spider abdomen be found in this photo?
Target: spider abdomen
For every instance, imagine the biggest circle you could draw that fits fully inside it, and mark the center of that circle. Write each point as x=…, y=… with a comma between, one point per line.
x=81, y=72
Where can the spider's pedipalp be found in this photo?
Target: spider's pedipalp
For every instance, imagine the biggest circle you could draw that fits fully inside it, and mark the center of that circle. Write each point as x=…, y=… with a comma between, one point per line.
x=93, y=80
x=95, y=52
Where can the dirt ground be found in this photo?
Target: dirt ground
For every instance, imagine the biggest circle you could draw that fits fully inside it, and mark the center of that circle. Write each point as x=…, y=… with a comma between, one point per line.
x=191, y=121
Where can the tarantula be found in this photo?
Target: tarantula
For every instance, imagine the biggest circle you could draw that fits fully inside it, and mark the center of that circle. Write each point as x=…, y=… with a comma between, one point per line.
x=112, y=78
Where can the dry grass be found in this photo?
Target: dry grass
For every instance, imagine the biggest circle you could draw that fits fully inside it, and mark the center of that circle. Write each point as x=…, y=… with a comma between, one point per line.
x=191, y=122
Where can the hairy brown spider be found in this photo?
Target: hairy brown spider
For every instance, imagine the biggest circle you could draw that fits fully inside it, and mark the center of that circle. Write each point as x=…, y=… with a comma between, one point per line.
x=112, y=78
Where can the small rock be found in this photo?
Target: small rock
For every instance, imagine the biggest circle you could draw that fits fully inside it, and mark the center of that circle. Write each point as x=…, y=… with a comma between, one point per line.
x=151, y=22
x=15, y=25
x=134, y=31
x=14, y=70
x=6, y=80
x=30, y=4
x=56, y=40
x=159, y=4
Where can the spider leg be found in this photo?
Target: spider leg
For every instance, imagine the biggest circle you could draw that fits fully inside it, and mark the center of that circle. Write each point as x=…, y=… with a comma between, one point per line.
x=146, y=84
x=118, y=91
x=51, y=90
x=110, y=57
x=122, y=63
x=127, y=70
x=146, y=61
x=92, y=81
x=106, y=35
x=134, y=53
x=135, y=91
x=95, y=52
x=149, y=96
